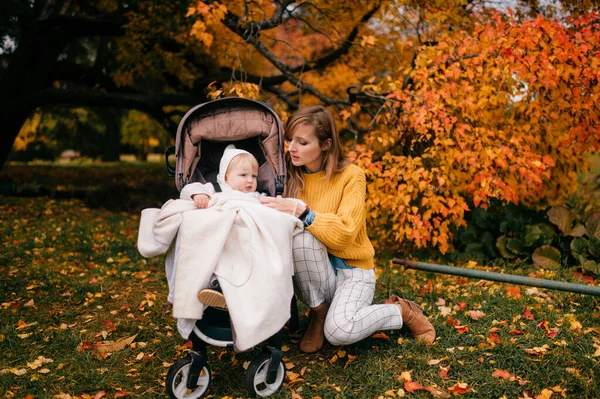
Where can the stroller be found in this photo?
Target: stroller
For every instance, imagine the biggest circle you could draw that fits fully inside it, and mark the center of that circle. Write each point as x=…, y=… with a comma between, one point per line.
x=202, y=136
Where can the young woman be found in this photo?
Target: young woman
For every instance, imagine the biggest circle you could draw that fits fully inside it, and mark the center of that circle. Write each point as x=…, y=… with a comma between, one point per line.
x=333, y=257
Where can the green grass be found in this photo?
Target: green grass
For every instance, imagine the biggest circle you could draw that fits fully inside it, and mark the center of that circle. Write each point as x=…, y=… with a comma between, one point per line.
x=71, y=277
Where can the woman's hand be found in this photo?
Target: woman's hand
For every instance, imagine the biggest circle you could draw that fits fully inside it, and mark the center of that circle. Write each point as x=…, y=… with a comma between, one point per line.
x=201, y=200
x=285, y=205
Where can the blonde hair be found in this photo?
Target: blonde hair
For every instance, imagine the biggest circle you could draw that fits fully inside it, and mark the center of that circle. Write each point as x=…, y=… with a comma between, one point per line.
x=242, y=160
x=334, y=161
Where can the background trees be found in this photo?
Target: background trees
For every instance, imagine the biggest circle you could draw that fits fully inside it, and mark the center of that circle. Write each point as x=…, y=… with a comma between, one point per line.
x=447, y=104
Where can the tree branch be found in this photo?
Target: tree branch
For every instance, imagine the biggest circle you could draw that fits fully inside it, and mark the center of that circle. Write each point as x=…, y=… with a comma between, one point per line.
x=106, y=25
x=232, y=22
x=95, y=98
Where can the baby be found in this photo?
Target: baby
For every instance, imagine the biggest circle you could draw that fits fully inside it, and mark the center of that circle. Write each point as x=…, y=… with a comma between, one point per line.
x=238, y=170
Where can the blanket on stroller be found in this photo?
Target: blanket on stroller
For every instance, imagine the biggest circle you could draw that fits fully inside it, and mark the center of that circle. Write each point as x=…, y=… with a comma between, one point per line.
x=246, y=245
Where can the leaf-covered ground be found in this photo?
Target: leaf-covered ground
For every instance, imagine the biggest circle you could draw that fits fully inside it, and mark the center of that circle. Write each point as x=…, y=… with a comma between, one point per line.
x=84, y=315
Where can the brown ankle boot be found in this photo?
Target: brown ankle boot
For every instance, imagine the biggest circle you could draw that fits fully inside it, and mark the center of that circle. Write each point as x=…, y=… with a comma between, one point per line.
x=314, y=336
x=415, y=321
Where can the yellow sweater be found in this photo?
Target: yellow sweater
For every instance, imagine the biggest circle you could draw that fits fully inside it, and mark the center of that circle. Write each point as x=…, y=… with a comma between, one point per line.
x=340, y=219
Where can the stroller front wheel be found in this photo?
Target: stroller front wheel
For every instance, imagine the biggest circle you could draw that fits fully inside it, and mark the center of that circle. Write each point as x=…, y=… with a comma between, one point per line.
x=256, y=377
x=177, y=380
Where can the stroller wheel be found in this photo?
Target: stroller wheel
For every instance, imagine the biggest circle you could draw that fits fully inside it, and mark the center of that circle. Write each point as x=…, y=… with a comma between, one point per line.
x=256, y=377
x=177, y=379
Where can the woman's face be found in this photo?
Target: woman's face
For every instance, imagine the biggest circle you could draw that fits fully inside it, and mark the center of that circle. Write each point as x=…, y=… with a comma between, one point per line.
x=305, y=150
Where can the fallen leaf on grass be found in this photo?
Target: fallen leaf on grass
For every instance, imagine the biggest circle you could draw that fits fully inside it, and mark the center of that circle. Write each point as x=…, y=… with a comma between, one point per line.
x=514, y=292
x=545, y=394
x=23, y=336
x=405, y=376
x=501, y=374
x=527, y=315
x=437, y=393
x=293, y=377
x=38, y=362
x=515, y=332
x=552, y=332
x=295, y=395
x=444, y=372
x=459, y=388
x=575, y=325
x=350, y=360
x=433, y=362
x=538, y=350
x=543, y=324
x=411, y=386
x=495, y=338
x=476, y=314
x=380, y=335
x=110, y=346
x=597, y=353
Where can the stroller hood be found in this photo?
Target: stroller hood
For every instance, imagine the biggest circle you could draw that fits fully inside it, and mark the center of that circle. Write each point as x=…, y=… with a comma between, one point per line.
x=206, y=129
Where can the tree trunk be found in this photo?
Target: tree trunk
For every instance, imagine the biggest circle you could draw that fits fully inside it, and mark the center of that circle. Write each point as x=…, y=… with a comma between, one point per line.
x=111, y=147
x=11, y=126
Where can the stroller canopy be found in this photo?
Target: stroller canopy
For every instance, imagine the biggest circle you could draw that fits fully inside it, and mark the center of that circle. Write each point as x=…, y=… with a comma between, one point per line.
x=205, y=131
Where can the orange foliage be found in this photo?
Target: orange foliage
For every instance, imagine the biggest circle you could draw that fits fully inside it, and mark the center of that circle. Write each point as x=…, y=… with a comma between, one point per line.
x=507, y=112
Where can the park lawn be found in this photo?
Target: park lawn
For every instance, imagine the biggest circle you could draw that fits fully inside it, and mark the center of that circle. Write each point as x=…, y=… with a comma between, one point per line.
x=72, y=280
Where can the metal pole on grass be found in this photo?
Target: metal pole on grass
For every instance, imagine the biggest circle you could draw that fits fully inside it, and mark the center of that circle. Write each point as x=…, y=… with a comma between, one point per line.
x=500, y=277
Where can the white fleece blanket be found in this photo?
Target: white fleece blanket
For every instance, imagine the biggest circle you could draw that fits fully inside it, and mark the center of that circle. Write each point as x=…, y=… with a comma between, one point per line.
x=246, y=245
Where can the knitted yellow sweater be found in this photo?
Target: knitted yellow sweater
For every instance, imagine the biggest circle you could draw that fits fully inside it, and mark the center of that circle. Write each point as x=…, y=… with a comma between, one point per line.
x=340, y=220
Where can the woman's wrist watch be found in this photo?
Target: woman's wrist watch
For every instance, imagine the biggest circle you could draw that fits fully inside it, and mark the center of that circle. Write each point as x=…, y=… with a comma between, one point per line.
x=304, y=214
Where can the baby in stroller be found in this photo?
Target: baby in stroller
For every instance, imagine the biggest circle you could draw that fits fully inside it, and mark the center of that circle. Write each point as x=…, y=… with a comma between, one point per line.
x=238, y=170
x=245, y=247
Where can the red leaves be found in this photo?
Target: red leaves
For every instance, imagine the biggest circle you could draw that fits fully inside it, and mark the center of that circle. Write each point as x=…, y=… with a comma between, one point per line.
x=552, y=332
x=508, y=376
x=495, y=337
x=459, y=389
x=411, y=386
x=456, y=324
x=527, y=315
x=444, y=372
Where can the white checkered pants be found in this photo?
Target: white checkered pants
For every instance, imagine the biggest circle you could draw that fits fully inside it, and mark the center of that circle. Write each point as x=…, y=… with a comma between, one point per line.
x=351, y=317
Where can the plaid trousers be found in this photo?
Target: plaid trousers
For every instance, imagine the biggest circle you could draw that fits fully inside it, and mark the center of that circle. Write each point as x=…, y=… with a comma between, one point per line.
x=351, y=316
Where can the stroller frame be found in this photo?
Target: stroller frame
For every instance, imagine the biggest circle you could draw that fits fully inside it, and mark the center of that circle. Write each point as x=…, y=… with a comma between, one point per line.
x=190, y=377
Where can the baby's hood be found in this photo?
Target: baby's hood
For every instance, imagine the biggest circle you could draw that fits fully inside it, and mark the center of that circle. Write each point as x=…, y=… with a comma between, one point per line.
x=229, y=153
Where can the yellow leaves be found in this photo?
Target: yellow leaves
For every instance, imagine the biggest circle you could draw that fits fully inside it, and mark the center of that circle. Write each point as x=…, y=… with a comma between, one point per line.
x=368, y=41
x=110, y=346
x=199, y=32
x=597, y=353
x=380, y=335
x=149, y=300
x=538, y=350
x=40, y=361
x=35, y=365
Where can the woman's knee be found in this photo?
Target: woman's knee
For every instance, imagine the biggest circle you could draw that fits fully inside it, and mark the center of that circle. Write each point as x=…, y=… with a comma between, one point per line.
x=308, y=250
x=338, y=331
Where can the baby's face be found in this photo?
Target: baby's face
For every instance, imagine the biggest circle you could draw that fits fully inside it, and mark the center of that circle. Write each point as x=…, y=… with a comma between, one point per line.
x=242, y=178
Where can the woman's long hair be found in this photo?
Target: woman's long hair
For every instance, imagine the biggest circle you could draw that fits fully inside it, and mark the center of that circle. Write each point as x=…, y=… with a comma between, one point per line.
x=334, y=161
